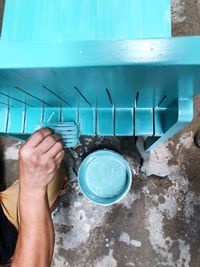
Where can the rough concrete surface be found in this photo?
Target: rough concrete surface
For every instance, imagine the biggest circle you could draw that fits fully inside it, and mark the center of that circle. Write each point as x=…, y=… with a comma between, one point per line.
x=158, y=223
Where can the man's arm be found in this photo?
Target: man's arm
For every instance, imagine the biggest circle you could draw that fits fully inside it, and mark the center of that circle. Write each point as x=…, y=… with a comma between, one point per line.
x=39, y=160
x=36, y=237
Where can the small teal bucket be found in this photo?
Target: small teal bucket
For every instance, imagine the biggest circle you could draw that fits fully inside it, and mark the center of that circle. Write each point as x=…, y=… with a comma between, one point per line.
x=104, y=177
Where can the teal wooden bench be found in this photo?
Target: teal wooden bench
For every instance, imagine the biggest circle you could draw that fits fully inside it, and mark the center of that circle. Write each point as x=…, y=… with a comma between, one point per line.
x=109, y=67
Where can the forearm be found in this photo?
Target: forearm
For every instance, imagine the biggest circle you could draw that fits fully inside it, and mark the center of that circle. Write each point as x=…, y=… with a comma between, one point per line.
x=36, y=235
x=39, y=160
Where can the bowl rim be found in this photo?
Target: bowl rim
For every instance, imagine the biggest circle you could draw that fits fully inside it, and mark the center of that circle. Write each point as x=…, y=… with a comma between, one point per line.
x=129, y=172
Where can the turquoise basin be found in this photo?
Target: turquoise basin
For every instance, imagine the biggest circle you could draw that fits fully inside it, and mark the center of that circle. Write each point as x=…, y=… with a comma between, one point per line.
x=104, y=177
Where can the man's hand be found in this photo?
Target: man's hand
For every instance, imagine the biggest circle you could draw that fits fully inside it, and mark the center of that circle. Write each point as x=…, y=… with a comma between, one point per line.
x=39, y=159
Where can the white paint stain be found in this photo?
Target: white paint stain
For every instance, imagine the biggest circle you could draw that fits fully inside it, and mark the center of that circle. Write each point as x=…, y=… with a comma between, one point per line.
x=85, y=216
x=145, y=190
x=189, y=206
x=155, y=162
x=112, y=242
x=169, y=206
x=179, y=180
x=191, y=200
x=129, y=264
x=159, y=242
x=178, y=9
x=11, y=152
x=124, y=237
x=106, y=261
x=185, y=257
x=79, y=218
x=59, y=261
x=129, y=199
x=185, y=141
x=77, y=204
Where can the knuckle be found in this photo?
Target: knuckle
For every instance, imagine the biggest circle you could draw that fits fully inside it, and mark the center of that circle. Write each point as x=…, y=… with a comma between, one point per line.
x=43, y=132
x=47, y=161
x=50, y=139
x=24, y=153
x=35, y=159
x=46, y=131
x=57, y=136
x=40, y=134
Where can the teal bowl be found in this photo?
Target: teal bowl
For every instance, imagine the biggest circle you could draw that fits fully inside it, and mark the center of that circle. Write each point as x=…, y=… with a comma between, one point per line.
x=104, y=177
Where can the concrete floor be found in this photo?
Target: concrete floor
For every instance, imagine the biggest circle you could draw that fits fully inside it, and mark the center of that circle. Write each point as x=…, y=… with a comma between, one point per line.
x=158, y=223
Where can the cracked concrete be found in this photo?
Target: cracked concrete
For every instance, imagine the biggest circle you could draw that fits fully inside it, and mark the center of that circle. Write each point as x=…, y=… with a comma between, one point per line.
x=157, y=224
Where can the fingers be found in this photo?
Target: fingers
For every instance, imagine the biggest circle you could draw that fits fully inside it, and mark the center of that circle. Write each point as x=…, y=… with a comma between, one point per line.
x=58, y=147
x=59, y=157
x=47, y=143
x=37, y=137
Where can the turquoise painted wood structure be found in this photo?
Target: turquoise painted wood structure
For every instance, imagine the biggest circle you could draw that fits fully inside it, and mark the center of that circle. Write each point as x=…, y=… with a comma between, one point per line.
x=109, y=66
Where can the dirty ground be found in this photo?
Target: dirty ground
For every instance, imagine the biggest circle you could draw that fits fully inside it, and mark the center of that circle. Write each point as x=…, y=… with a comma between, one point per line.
x=158, y=223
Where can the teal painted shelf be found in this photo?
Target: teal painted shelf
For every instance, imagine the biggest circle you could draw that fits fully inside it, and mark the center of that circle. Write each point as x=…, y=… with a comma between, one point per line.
x=110, y=67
